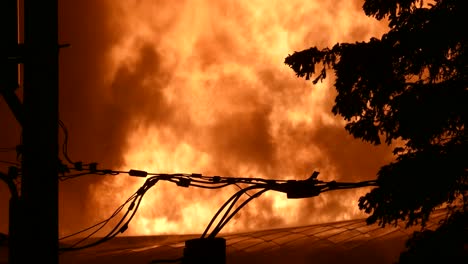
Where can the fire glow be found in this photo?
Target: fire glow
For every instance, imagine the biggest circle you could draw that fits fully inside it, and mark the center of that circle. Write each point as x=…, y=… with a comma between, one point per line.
x=217, y=99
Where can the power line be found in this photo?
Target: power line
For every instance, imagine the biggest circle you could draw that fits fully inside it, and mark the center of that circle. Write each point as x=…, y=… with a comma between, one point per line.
x=65, y=141
x=294, y=189
x=134, y=200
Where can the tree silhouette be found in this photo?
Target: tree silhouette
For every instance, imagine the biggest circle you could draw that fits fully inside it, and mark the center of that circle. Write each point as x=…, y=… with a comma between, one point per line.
x=408, y=88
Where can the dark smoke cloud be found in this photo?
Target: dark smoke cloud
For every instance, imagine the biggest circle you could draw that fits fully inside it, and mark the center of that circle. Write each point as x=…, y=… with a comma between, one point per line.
x=242, y=138
x=98, y=114
x=83, y=67
x=83, y=24
x=131, y=98
x=352, y=159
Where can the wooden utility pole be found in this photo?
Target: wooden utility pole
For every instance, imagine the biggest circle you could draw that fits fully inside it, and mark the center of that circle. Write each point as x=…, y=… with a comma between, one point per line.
x=39, y=184
x=9, y=51
x=8, y=84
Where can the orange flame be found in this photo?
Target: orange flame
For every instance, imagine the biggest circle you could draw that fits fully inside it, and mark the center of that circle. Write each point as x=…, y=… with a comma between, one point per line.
x=223, y=103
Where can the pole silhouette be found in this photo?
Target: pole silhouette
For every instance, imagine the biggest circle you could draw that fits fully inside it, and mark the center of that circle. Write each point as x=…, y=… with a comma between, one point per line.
x=39, y=186
x=8, y=84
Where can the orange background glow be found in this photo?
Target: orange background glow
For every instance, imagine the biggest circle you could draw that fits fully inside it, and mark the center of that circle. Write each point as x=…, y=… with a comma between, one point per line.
x=200, y=86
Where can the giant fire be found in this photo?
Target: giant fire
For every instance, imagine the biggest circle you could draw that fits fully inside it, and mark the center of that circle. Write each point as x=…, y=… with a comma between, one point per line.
x=209, y=93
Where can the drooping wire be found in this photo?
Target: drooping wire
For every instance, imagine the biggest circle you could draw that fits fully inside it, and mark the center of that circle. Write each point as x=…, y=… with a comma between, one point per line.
x=221, y=224
x=79, y=166
x=136, y=198
x=121, y=226
x=103, y=223
x=231, y=201
x=180, y=179
x=65, y=142
x=237, y=185
x=294, y=189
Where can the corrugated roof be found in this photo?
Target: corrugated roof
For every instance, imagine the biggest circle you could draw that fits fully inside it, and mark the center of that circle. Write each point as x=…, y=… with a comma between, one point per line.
x=342, y=242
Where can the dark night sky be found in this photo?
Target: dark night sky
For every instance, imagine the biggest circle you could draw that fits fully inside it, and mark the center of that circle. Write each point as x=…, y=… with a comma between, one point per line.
x=100, y=114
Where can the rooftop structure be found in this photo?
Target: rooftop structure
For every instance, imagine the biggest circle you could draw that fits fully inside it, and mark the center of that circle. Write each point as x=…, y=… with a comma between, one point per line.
x=350, y=241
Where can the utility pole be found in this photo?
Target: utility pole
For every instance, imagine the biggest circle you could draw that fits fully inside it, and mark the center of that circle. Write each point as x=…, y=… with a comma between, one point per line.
x=39, y=184
x=9, y=50
x=34, y=216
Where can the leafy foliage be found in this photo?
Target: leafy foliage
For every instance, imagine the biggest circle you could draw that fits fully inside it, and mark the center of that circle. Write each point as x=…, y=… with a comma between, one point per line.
x=409, y=86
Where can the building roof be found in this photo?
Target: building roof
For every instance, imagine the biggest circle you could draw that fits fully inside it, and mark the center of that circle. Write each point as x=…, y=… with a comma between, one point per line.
x=341, y=242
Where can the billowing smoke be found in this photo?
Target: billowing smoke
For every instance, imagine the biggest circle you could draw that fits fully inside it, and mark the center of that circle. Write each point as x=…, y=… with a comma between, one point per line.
x=200, y=86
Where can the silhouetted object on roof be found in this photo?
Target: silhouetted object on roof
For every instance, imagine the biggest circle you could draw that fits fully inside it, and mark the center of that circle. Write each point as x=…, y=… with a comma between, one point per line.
x=205, y=250
x=409, y=88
